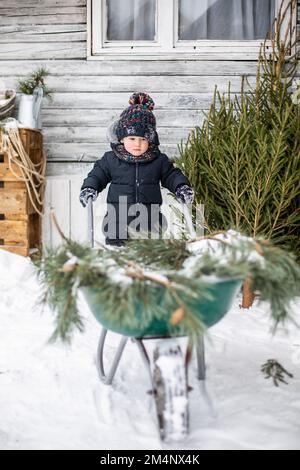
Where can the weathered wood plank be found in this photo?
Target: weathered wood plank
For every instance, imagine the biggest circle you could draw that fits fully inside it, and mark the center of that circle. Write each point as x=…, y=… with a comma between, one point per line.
x=168, y=135
x=42, y=3
x=105, y=101
x=43, y=15
x=151, y=84
x=72, y=169
x=72, y=18
x=60, y=203
x=73, y=117
x=39, y=33
x=50, y=50
x=46, y=222
x=123, y=67
x=78, y=230
x=89, y=152
x=190, y=84
x=116, y=100
x=78, y=215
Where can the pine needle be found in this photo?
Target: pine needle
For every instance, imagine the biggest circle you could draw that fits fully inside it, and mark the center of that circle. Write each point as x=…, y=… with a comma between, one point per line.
x=272, y=369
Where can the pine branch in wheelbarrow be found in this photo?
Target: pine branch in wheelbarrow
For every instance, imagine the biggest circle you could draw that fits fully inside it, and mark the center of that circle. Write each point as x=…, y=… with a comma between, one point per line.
x=72, y=266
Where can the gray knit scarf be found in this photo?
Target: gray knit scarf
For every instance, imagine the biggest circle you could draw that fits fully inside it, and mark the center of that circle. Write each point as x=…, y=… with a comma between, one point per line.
x=120, y=151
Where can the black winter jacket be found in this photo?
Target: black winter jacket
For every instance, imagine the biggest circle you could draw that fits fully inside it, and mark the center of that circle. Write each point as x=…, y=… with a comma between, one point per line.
x=138, y=181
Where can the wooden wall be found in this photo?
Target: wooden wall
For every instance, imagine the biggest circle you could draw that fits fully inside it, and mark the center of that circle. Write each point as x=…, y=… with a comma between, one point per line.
x=90, y=94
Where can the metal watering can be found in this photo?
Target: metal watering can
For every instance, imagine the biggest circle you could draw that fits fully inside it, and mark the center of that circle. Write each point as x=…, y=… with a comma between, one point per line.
x=30, y=108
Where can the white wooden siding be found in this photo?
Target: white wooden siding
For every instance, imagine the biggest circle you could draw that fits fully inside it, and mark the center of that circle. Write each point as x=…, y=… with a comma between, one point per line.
x=62, y=197
x=90, y=94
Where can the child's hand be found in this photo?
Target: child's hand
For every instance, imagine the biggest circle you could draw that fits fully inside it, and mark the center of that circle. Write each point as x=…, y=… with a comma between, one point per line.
x=185, y=193
x=85, y=194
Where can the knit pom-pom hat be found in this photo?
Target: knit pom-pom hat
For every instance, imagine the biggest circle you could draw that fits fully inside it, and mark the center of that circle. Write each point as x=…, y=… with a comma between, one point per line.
x=138, y=119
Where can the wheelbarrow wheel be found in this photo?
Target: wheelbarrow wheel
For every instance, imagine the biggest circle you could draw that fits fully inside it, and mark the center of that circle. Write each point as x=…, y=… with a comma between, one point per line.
x=170, y=391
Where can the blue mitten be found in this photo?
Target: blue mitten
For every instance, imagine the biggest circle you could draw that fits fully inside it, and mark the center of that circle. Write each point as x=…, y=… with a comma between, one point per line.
x=185, y=193
x=85, y=194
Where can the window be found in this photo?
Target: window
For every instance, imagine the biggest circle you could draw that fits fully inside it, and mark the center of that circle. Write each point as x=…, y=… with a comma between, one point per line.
x=179, y=28
x=130, y=20
x=225, y=19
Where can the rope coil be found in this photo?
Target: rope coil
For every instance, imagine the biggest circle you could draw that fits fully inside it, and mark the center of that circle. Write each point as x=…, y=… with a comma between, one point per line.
x=32, y=174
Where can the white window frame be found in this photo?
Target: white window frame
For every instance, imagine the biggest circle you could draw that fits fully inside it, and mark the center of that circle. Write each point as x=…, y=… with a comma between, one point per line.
x=166, y=45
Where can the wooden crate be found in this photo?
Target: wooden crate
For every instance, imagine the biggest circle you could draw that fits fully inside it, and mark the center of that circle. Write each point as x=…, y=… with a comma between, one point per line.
x=19, y=236
x=5, y=173
x=33, y=144
x=14, y=196
x=14, y=201
x=20, y=225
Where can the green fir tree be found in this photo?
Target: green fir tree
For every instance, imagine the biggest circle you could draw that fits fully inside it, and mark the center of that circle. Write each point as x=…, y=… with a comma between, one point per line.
x=244, y=161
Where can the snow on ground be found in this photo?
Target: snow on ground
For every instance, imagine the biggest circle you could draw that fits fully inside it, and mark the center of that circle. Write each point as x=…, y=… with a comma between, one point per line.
x=51, y=398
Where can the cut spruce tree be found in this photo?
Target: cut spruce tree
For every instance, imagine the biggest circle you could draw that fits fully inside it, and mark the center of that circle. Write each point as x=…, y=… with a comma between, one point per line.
x=244, y=161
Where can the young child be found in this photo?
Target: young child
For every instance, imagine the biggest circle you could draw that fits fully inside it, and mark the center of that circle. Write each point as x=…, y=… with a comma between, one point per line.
x=135, y=168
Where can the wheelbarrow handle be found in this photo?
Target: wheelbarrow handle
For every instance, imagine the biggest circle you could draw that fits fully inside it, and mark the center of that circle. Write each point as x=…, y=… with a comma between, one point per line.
x=90, y=221
x=91, y=241
x=188, y=219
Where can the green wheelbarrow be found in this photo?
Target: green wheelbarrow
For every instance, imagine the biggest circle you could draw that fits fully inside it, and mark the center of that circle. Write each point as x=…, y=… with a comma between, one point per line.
x=168, y=369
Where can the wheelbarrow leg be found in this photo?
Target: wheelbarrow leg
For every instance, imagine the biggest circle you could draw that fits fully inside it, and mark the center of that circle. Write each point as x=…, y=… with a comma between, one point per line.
x=144, y=356
x=107, y=379
x=200, y=352
x=90, y=222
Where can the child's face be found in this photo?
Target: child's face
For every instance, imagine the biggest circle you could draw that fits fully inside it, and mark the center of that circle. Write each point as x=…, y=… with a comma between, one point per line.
x=135, y=145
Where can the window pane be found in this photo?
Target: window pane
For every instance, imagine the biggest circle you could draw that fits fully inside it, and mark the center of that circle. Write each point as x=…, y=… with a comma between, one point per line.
x=131, y=20
x=225, y=19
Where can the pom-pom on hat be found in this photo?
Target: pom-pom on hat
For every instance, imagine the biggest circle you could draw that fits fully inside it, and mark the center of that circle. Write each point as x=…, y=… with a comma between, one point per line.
x=138, y=119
